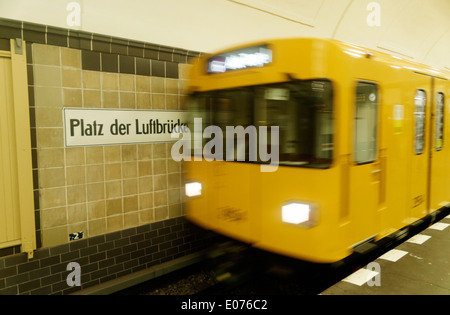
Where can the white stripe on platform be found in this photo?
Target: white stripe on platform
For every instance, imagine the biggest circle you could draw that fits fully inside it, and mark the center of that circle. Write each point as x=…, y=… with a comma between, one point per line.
x=361, y=276
x=448, y=217
x=419, y=239
x=439, y=226
x=393, y=255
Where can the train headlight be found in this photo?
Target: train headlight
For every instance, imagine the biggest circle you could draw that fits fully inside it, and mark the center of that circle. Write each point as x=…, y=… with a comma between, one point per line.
x=193, y=189
x=299, y=213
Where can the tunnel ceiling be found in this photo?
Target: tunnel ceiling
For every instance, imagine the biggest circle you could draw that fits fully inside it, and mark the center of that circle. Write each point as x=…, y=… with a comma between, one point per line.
x=414, y=29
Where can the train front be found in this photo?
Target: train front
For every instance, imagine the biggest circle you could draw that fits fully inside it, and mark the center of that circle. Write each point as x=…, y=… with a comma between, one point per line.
x=260, y=153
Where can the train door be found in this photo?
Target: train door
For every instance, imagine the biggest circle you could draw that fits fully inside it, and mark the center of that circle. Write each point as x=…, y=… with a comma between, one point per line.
x=419, y=176
x=438, y=177
x=365, y=171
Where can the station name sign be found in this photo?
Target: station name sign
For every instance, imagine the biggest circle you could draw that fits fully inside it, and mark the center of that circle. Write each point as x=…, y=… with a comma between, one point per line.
x=257, y=56
x=86, y=127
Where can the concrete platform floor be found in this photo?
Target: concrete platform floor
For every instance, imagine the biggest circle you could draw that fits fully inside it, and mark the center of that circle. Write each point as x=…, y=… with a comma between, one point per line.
x=419, y=266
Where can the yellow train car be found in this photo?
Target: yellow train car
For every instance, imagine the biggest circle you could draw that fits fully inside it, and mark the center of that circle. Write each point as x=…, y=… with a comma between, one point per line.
x=358, y=141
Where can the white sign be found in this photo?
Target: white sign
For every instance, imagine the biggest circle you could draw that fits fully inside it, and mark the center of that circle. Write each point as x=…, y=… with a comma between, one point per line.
x=85, y=127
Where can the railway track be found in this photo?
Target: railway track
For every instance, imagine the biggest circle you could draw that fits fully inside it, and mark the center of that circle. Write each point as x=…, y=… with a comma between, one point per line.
x=237, y=269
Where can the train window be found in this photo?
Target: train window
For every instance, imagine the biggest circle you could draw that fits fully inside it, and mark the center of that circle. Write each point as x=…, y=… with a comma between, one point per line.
x=366, y=123
x=439, y=121
x=420, y=102
x=302, y=110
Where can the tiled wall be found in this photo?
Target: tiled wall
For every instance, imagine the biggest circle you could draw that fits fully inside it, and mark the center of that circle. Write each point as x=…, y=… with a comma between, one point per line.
x=127, y=199
x=101, y=189
x=101, y=258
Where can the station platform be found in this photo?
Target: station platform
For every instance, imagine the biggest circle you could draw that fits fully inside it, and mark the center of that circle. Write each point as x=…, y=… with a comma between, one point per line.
x=419, y=266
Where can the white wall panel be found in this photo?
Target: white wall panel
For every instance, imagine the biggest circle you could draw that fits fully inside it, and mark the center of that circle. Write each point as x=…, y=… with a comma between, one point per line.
x=416, y=29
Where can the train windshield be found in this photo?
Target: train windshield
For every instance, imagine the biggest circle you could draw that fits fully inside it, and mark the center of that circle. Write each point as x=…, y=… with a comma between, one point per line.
x=302, y=111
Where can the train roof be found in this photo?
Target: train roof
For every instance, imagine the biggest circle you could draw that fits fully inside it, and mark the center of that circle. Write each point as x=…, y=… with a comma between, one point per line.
x=352, y=50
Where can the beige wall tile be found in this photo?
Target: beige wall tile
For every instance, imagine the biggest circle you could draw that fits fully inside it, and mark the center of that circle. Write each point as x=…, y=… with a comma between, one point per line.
x=94, y=155
x=46, y=54
x=96, y=210
x=108, y=187
x=114, y=223
x=51, y=177
x=110, y=99
x=145, y=151
x=130, y=187
x=145, y=168
x=75, y=175
x=145, y=184
x=70, y=57
x=129, y=152
x=112, y=153
x=159, y=151
x=113, y=171
x=50, y=157
x=161, y=213
x=175, y=211
x=92, y=99
x=130, y=203
x=75, y=156
x=53, y=217
x=174, y=196
x=183, y=87
x=160, y=198
x=52, y=197
x=130, y=220
x=97, y=227
x=71, y=78
x=95, y=173
x=127, y=100
x=48, y=76
x=159, y=182
x=113, y=207
x=76, y=194
x=158, y=101
x=126, y=82
x=173, y=166
x=172, y=102
x=50, y=137
x=95, y=191
x=157, y=85
x=143, y=101
x=142, y=84
x=48, y=96
x=72, y=97
x=110, y=81
x=159, y=166
x=146, y=216
x=172, y=86
x=76, y=213
x=146, y=201
x=183, y=70
x=174, y=180
x=129, y=169
x=48, y=117
x=91, y=80
x=54, y=236
x=113, y=189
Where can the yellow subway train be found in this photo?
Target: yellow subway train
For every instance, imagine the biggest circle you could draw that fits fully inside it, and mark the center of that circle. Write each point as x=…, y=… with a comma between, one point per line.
x=324, y=145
